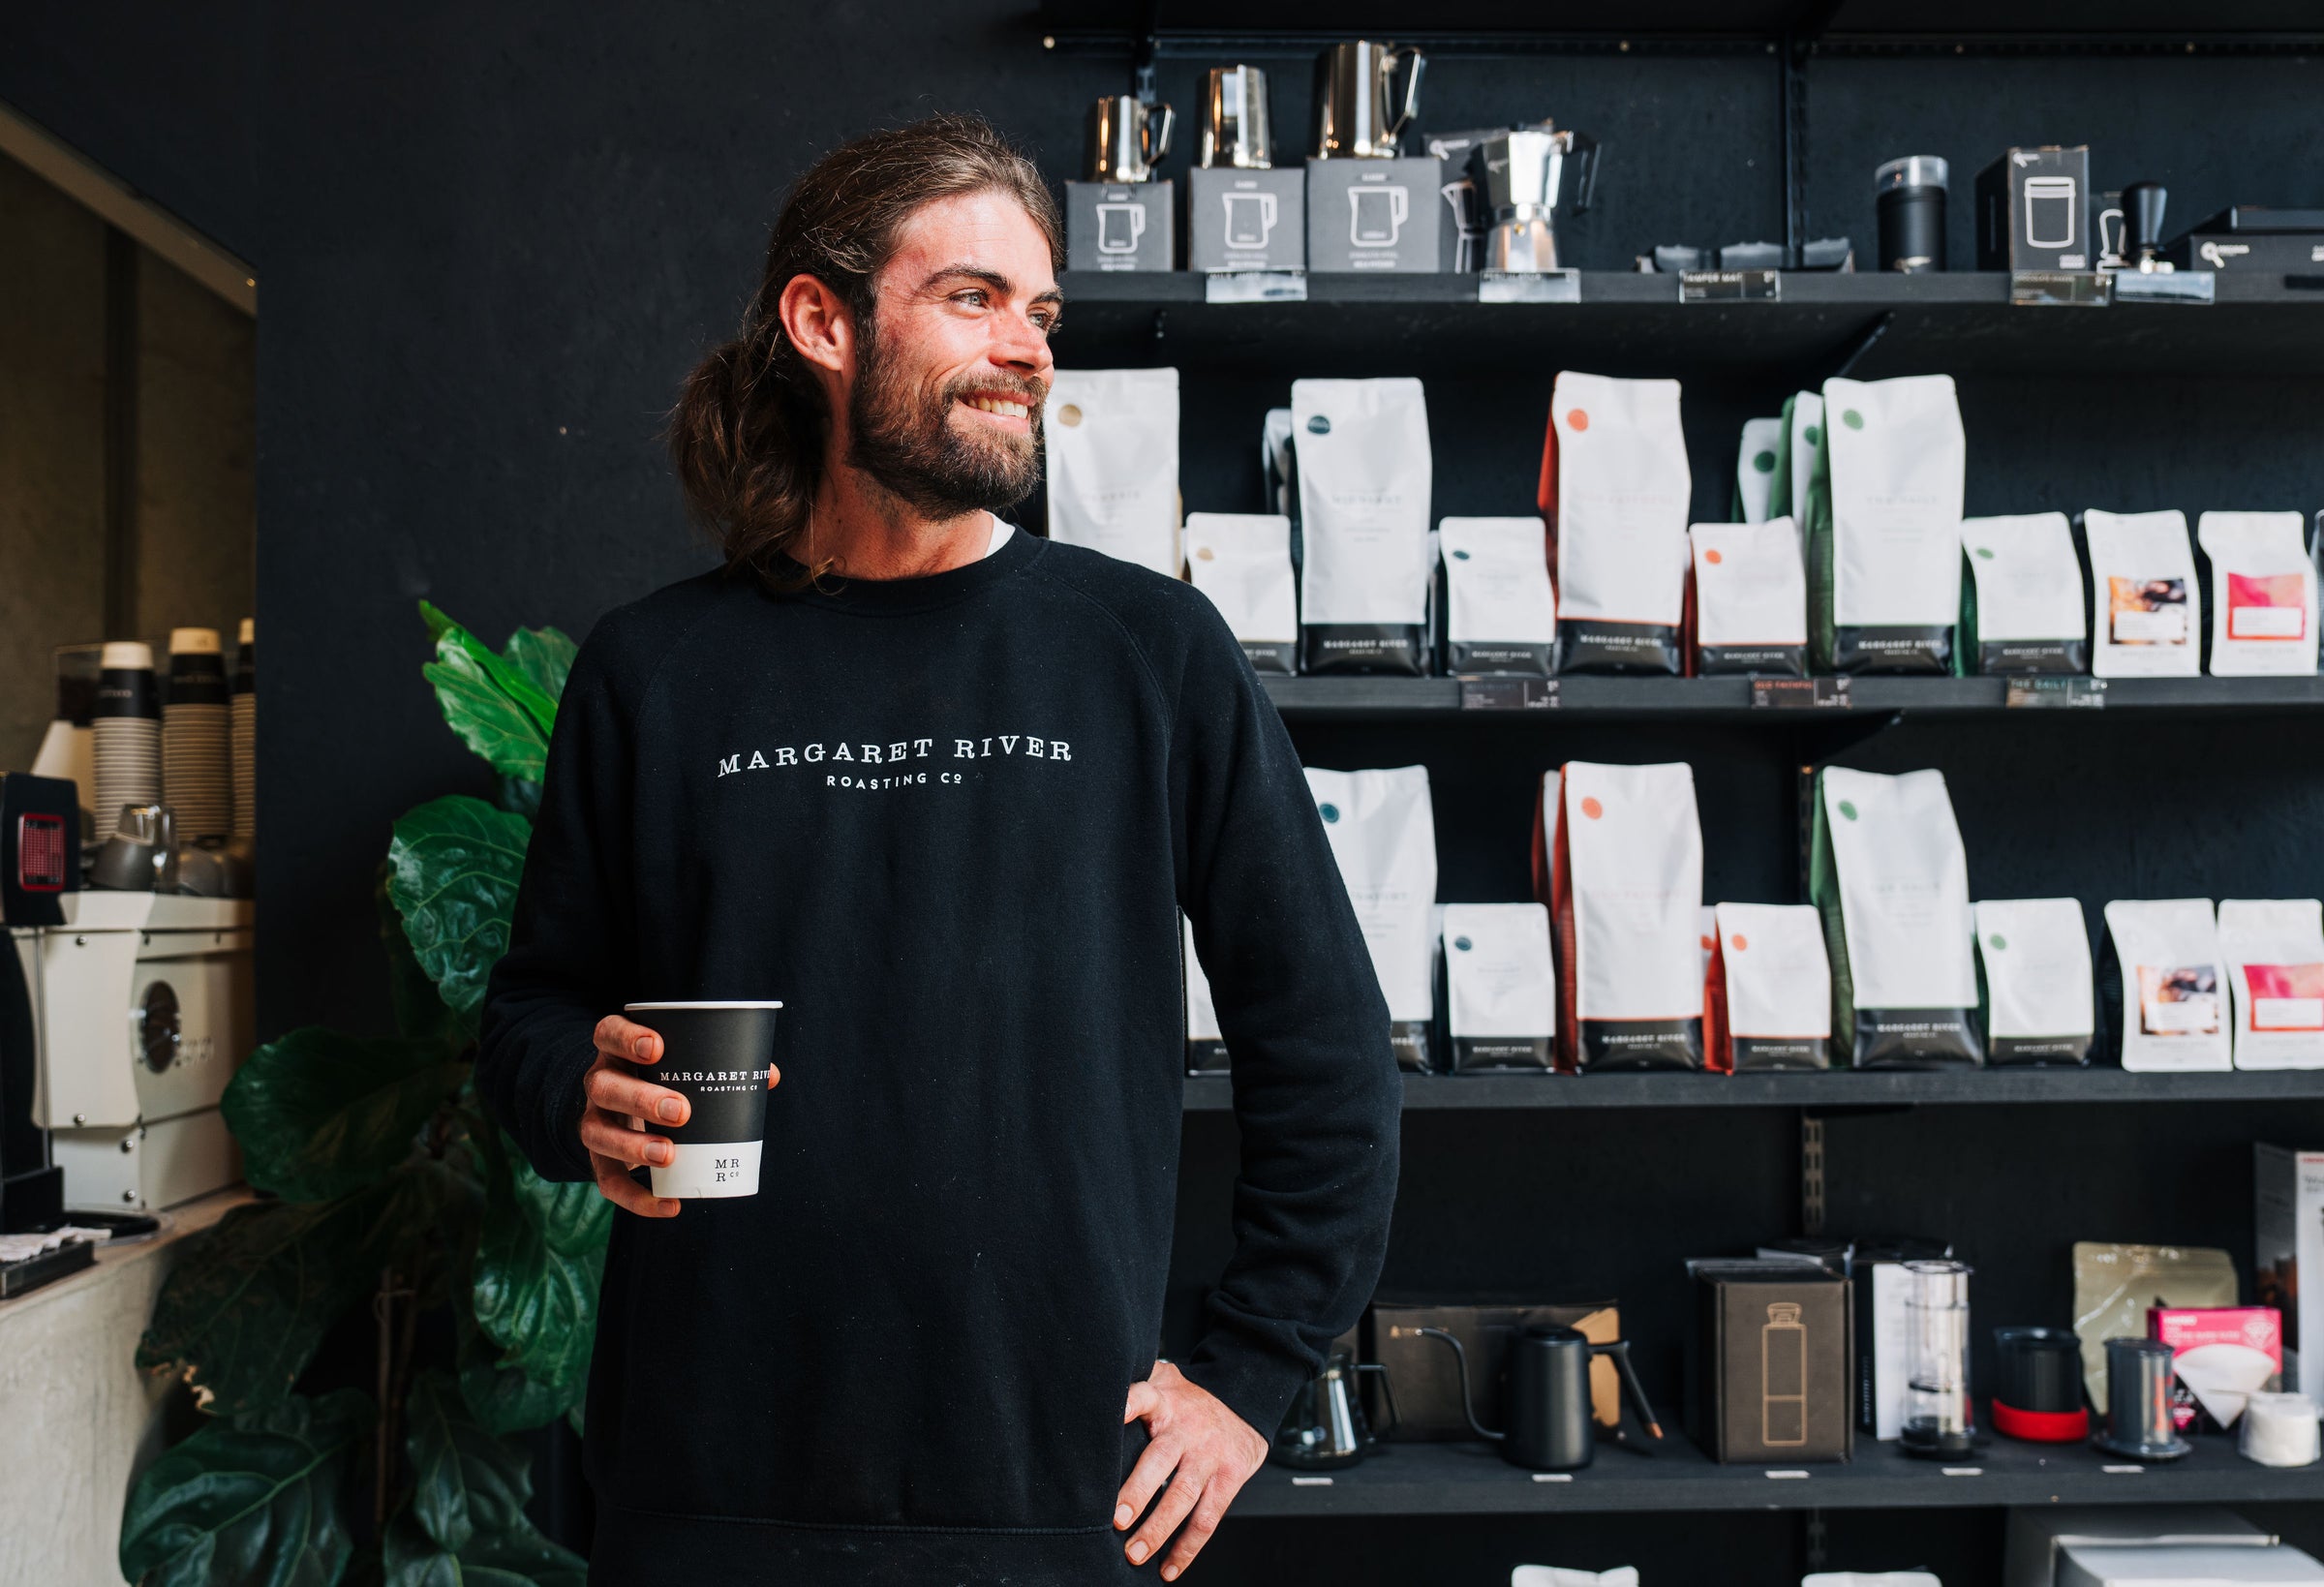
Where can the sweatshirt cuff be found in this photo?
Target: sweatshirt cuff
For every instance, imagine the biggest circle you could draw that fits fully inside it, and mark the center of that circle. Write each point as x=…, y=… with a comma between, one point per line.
x=1255, y=1383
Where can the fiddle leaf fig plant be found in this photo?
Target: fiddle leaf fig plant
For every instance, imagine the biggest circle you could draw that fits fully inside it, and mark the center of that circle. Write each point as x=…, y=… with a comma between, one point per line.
x=388, y=1192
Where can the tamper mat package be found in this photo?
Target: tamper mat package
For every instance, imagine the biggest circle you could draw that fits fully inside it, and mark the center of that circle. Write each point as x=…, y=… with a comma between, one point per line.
x=1627, y=881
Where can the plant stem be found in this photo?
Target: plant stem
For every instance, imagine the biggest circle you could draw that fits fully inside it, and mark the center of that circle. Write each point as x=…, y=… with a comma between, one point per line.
x=383, y=1309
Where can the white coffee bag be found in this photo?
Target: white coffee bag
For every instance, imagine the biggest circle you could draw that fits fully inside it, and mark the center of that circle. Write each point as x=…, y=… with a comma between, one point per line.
x=1383, y=832
x=1500, y=985
x=1206, y=1047
x=1275, y=465
x=1363, y=467
x=1111, y=440
x=2263, y=594
x=2023, y=608
x=1544, y=836
x=1499, y=614
x=1795, y=464
x=1755, y=469
x=2144, y=594
x=1616, y=489
x=2034, y=966
x=1628, y=885
x=1751, y=600
x=1242, y=562
x=1771, y=989
x=1888, y=871
x=2274, y=950
x=2170, y=1008
x=1884, y=527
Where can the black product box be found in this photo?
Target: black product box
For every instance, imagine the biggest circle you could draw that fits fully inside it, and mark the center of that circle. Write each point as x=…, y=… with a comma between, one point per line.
x=1769, y=1381
x=1121, y=226
x=2248, y=239
x=2033, y=211
x=1377, y=215
x=1425, y=1380
x=1875, y=1268
x=1246, y=220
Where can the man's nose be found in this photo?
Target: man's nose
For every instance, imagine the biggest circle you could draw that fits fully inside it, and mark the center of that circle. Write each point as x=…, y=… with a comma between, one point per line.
x=1020, y=345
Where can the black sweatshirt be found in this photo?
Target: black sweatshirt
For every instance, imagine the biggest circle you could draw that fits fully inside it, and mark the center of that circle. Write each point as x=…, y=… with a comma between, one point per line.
x=950, y=821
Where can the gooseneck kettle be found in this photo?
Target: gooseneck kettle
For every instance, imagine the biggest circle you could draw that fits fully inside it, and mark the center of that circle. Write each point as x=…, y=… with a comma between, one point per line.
x=1546, y=1421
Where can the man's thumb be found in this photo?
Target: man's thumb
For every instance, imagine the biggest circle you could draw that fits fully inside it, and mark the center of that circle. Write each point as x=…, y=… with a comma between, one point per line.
x=1145, y=1400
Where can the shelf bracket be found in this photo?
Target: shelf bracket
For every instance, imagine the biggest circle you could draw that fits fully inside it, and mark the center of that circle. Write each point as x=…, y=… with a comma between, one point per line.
x=1864, y=344
x=1811, y=1174
x=1141, y=61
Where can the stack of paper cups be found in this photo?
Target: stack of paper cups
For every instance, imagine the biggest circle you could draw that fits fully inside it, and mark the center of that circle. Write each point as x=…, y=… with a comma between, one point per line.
x=2279, y=1430
x=245, y=731
x=195, y=778
x=125, y=732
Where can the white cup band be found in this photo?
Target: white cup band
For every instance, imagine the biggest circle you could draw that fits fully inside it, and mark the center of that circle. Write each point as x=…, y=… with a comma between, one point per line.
x=703, y=1170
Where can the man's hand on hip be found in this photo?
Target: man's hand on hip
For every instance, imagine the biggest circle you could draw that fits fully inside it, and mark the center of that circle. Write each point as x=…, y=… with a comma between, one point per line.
x=616, y=1102
x=1201, y=1450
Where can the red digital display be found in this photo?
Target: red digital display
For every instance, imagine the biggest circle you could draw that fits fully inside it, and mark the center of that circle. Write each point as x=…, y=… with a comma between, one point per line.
x=41, y=853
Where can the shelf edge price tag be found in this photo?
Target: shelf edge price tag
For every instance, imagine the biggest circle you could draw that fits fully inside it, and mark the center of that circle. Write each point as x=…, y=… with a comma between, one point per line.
x=2060, y=289
x=2200, y=286
x=1254, y=287
x=1529, y=286
x=2037, y=692
x=1731, y=286
x=1508, y=693
x=1799, y=695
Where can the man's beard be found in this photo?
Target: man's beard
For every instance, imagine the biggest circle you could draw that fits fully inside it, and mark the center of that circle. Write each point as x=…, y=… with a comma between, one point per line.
x=901, y=435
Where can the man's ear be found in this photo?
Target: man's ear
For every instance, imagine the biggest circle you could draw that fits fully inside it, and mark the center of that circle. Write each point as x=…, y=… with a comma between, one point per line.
x=818, y=325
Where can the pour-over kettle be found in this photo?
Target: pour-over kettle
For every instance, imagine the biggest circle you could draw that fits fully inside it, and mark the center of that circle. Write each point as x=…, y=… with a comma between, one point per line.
x=1546, y=1423
x=1325, y=1427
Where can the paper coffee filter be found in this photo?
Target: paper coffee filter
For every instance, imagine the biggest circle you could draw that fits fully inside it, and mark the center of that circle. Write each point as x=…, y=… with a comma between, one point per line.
x=2113, y=1285
x=2223, y=1377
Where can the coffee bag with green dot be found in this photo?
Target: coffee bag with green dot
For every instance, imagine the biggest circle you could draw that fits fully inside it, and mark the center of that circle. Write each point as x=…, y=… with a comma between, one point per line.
x=2023, y=606
x=1884, y=527
x=2034, y=981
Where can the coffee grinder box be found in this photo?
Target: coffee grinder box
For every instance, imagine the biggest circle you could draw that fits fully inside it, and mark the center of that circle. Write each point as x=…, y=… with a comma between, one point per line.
x=2289, y=1232
x=2033, y=211
x=1121, y=226
x=1376, y=215
x=1769, y=1378
x=1246, y=220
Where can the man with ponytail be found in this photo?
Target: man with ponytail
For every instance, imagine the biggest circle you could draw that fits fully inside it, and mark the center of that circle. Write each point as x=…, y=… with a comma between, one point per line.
x=944, y=787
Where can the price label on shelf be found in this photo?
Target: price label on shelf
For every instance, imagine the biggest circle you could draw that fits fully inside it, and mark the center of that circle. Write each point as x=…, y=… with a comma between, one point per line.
x=1529, y=286
x=1508, y=693
x=1799, y=695
x=1730, y=286
x=1254, y=287
x=2040, y=694
x=2059, y=288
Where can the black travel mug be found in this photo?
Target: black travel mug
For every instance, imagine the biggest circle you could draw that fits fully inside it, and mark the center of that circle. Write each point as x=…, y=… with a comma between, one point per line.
x=1912, y=213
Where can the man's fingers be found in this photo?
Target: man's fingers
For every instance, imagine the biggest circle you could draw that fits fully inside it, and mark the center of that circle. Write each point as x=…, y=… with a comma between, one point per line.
x=627, y=1193
x=621, y=1038
x=632, y=1149
x=1144, y=1400
x=1175, y=1506
x=1146, y=1480
x=1209, y=1511
x=620, y=1094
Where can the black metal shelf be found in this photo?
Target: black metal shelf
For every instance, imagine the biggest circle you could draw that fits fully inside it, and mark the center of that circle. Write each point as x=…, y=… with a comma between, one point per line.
x=1824, y=1089
x=1473, y=1480
x=1658, y=699
x=1628, y=322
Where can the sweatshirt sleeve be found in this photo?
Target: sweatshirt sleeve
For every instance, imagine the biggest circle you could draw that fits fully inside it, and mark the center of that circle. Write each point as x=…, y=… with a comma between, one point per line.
x=571, y=945
x=1317, y=1094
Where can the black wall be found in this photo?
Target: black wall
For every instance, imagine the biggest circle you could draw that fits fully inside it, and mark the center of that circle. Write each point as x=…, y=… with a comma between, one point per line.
x=491, y=239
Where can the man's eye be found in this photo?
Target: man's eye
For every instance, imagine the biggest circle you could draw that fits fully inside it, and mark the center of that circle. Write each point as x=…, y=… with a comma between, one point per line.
x=973, y=298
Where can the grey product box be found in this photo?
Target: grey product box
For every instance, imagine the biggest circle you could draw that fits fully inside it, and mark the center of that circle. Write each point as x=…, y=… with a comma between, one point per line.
x=1375, y=216
x=1114, y=225
x=1246, y=220
x=1768, y=1380
x=2033, y=211
x=2038, y=1539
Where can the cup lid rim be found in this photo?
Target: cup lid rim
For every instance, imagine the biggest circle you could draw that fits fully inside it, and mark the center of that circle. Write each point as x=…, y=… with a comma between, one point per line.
x=627, y=1008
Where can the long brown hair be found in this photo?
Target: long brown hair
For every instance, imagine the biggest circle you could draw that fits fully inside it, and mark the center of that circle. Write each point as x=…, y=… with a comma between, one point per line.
x=748, y=433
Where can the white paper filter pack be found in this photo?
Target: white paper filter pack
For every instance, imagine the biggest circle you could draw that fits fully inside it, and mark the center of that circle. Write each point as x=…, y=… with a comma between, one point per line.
x=1623, y=491
x=1242, y=562
x=1630, y=916
x=2026, y=599
x=2173, y=1014
x=1112, y=436
x=2274, y=949
x=1755, y=469
x=2144, y=594
x=1778, y=985
x=1382, y=827
x=2263, y=594
x=1905, y=978
x=1500, y=616
x=1750, y=600
x=1897, y=463
x=1500, y=985
x=1206, y=1046
x=1365, y=474
x=2040, y=1005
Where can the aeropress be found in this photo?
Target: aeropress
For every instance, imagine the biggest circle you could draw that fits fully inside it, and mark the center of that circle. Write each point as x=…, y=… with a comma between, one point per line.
x=1547, y=1409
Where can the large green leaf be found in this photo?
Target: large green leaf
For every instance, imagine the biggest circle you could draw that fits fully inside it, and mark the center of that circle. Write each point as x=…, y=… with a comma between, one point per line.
x=465, y=1481
x=256, y=1501
x=503, y=1397
x=493, y=705
x=243, y=1310
x=421, y=1010
x=320, y=1113
x=539, y=1262
x=543, y=656
x=454, y=865
x=518, y=1558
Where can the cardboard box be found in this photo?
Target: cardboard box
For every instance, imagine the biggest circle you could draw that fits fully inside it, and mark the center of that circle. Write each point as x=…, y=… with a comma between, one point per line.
x=1425, y=1380
x=1246, y=220
x=1770, y=1381
x=2183, y=1565
x=2287, y=1226
x=2033, y=211
x=2039, y=1537
x=1371, y=215
x=1121, y=226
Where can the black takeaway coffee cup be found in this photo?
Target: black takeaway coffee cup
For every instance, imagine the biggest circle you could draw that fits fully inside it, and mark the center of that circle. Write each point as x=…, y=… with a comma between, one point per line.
x=715, y=1055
